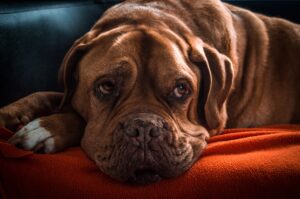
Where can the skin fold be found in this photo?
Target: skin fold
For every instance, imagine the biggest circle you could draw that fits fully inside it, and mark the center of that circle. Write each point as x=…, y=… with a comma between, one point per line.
x=152, y=81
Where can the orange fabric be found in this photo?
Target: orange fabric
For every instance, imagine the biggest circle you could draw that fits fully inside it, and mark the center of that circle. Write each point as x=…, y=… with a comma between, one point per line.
x=241, y=163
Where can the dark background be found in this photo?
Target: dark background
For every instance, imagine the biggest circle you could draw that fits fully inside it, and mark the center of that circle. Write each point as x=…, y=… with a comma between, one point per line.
x=35, y=35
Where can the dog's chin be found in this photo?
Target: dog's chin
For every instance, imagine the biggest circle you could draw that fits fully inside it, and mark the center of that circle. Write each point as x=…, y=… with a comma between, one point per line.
x=131, y=170
x=142, y=175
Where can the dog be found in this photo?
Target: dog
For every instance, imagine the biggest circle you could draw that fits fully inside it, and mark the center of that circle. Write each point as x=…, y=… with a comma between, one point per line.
x=153, y=80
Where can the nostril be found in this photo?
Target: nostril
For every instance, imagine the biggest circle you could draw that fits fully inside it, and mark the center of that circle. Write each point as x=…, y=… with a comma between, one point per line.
x=154, y=132
x=133, y=132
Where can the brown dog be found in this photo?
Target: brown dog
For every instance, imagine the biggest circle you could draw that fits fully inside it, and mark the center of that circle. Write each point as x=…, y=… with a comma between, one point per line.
x=153, y=80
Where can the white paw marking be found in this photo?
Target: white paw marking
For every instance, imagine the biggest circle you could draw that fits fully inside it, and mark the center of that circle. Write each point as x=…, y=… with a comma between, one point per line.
x=33, y=137
x=49, y=145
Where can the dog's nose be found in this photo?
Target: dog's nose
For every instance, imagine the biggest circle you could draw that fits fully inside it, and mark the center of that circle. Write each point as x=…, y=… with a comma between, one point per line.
x=141, y=128
x=144, y=125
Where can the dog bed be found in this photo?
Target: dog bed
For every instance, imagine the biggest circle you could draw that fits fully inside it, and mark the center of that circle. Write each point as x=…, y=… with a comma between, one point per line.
x=240, y=163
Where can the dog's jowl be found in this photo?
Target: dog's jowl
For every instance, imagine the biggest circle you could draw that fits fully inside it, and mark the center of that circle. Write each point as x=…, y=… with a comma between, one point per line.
x=152, y=81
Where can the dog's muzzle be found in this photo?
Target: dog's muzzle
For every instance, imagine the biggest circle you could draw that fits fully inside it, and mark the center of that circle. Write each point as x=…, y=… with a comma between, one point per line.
x=144, y=149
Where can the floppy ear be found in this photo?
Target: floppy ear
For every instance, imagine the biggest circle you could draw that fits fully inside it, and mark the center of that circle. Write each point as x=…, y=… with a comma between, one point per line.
x=66, y=75
x=216, y=83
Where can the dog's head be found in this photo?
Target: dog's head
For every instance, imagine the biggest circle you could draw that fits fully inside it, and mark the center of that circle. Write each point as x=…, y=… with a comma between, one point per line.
x=151, y=98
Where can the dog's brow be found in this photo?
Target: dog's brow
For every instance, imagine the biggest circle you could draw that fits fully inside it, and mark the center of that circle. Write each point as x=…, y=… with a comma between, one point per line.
x=117, y=69
x=118, y=40
x=179, y=77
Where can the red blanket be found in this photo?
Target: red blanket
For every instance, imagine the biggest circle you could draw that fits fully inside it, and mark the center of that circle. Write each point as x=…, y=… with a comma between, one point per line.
x=240, y=163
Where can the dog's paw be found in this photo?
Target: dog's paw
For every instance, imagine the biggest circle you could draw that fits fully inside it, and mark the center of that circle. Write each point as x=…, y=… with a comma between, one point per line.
x=34, y=136
x=28, y=108
x=50, y=134
x=13, y=119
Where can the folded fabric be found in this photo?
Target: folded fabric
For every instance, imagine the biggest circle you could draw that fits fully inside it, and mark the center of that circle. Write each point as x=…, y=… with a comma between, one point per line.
x=240, y=163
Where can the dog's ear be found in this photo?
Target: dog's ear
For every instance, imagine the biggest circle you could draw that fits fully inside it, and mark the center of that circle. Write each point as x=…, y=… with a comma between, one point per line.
x=67, y=72
x=216, y=83
x=67, y=77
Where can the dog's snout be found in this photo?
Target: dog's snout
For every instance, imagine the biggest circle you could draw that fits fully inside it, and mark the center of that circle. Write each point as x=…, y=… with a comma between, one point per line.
x=141, y=128
x=143, y=125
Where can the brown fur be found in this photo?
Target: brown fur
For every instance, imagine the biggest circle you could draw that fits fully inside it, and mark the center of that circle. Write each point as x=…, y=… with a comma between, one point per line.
x=29, y=108
x=243, y=69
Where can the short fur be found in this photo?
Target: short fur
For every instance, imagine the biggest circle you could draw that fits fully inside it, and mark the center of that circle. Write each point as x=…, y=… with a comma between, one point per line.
x=243, y=69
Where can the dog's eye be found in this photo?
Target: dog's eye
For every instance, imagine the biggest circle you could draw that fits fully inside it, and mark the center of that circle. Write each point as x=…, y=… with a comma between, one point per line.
x=105, y=88
x=181, y=91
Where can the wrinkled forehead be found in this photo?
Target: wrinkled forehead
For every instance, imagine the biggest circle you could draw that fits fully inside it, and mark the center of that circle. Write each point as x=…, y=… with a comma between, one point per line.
x=146, y=51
